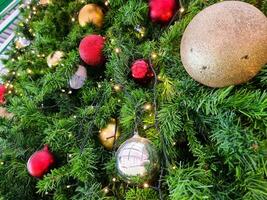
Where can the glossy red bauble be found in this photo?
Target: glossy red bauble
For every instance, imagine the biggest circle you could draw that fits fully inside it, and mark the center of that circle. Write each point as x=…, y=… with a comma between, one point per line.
x=162, y=11
x=141, y=71
x=91, y=50
x=40, y=162
x=2, y=94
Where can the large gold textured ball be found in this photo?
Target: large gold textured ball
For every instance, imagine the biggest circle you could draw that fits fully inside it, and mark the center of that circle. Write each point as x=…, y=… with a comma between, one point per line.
x=91, y=13
x=109, y=134
x=225, y=44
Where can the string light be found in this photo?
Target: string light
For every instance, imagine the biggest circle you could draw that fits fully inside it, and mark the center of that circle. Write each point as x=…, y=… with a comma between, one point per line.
x=68, y=186
x=46, y=193
x=29, y=71
x=154, y=55
x=174, y=167
x=106, y=3
x=73, y=19
x=74, y=116
x=106, y=190
x=117, y=88
x=146, y=185
x=2, y=163
x=145, y=127
x=70, y=135
x=117, y=50
x=70, y=155
x=148, y=106
x=62, y=90
x=181, y=10
x=114, y=179
x=70, y=92
x=14, y=73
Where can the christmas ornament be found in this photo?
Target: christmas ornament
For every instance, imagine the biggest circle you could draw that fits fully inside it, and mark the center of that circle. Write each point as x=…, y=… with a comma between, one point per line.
x=91, y=50
x=40, y=162
x=225, y=44
x=141, y=71
x=21, y=42
x=91, y=13
x=140, y=31
x=54, y=58
x=2, y=94
x=79, y=78
x=162, y=11
x=109, y=134
x=137, y=160
x=44, y=2
x=5, y=114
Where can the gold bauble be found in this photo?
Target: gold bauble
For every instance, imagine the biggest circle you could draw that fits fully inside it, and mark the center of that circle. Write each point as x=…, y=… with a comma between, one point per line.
x=91, y=13
x=109, y=134
x=44, y=2
x=225, y=44
x=54, y=58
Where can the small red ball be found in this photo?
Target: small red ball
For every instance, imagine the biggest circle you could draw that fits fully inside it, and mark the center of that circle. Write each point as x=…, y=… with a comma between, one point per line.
x=40, y=162
x=141, y=71
x=162, y=11
x=91, y=50
x=2, y=94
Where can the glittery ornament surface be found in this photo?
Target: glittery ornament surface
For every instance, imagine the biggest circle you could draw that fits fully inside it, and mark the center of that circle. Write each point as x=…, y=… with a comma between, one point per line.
x=225, y=44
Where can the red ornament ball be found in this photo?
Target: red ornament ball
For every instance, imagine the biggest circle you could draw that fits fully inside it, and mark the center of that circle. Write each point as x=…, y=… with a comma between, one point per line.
x=40, y=162
x=141, y=71
x=2, y=94
x=162, y=11
x=91, y=50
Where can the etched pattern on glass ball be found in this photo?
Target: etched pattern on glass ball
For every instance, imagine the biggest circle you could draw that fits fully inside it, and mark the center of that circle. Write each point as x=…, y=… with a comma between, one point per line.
x=137, y=160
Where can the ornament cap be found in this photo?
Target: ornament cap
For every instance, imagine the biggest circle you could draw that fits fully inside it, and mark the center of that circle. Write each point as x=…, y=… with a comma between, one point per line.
x=46, y=147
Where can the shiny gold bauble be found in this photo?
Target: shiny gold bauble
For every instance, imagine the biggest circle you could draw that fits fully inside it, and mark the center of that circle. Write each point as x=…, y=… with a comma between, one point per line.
x=225, y=44
x=109, y=134
x=44, y=2
x=54, y=58
x=137, y=161
x=91, y=13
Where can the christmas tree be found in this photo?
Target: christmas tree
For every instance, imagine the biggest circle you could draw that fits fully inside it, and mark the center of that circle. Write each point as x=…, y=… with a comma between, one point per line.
x=91, y=74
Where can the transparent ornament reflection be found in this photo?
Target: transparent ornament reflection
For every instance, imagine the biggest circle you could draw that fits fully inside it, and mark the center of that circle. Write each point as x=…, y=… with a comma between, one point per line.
x=137, y=160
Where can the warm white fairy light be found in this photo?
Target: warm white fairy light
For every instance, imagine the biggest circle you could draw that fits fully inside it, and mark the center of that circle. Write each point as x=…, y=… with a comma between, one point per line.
x=106, y=3
x=181, y=10
x=2, y=163
x=174, y=167
x=106, y=189
x=62, y=90
x=114, y=179
x=73, y=19
x=148, y=106
x=68, y=186
x=117, y=50
x=117, y=88
x=154, y=55
x=14, y=73
x=146, y=185
x=29, y=71
x=70, y=92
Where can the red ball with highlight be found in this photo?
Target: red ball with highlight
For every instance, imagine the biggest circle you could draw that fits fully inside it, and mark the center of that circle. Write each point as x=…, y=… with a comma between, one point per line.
x=162, y=11
x=91, y=50
x=141, y=71
x=2, y=94
x=40, y=162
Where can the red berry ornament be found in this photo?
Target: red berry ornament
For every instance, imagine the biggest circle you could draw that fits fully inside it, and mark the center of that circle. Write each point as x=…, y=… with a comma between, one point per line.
x=40, y=162
x=2, y=94
x=162, y=11
x=141, y=71
x=91, y=50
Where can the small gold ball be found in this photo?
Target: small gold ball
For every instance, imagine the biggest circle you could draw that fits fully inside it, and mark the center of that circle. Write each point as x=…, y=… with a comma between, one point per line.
x=91, y=13
x=109, y=134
